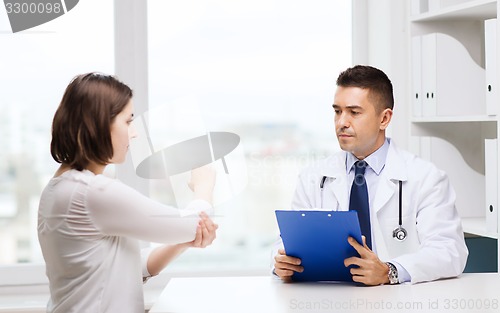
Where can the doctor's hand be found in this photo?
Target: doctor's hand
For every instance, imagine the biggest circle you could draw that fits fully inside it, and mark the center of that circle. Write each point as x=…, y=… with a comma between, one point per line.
x=370, y=270
x=285, y=266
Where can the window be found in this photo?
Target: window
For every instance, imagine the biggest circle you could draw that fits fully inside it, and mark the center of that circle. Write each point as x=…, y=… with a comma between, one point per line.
x=264, y=70
x=36, y=67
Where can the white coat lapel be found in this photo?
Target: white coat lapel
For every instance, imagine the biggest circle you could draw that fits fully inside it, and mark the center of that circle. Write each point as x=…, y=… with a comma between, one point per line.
x=394, y=171
x=339, y=187
x=336, y=170
x=385, y=190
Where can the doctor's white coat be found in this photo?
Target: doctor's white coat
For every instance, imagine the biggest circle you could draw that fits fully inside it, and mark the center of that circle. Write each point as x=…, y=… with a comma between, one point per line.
x=435, y=246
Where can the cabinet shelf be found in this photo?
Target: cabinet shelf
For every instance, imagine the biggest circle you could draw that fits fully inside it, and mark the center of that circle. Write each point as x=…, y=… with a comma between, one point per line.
x=452, y=119
x=477, y=226
x=473, y=10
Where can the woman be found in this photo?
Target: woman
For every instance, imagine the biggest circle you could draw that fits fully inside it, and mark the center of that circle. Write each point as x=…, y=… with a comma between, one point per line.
x=89, y=224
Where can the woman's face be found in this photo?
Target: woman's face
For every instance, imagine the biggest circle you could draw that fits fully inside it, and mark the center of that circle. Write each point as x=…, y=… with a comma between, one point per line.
x=122, y=130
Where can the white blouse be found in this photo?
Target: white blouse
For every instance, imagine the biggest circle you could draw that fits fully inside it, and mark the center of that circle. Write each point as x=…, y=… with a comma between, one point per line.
x=89, y=226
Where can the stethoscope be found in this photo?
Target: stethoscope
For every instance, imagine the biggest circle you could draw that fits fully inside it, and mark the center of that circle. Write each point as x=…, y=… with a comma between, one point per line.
x=399, y=233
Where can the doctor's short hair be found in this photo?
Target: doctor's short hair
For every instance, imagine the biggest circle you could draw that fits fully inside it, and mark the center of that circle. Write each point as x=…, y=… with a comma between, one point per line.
x=81, y=128
x=371, y=78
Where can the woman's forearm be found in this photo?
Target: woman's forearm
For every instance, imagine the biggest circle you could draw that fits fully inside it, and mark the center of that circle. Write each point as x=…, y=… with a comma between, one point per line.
x=160, y=257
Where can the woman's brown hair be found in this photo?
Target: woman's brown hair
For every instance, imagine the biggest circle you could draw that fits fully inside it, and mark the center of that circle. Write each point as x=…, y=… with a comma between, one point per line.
x=81, y=128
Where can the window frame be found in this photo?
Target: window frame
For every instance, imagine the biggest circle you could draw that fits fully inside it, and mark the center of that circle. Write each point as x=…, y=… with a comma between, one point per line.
x=130, y=41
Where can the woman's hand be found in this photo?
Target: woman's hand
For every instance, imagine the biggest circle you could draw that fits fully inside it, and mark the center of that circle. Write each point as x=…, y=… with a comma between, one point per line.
x=205, y=233
x=163, y=255
x=202, y=182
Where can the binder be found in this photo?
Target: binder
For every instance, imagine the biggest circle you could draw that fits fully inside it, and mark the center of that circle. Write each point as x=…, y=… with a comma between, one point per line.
x=419, y=7
x=433, y=5
x=490, y=47
x=416, y=54
x=319, y=239
x=428, y=62
x=491, y=184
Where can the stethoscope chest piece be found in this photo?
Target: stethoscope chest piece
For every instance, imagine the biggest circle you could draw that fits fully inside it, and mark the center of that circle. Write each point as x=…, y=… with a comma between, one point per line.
x=399, y=233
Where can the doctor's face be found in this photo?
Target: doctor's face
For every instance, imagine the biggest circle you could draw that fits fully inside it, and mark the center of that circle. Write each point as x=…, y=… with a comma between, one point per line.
x=360, y=125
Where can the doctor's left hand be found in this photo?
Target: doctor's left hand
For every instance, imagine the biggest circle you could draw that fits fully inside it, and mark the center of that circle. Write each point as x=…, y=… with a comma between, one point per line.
x=370, y=270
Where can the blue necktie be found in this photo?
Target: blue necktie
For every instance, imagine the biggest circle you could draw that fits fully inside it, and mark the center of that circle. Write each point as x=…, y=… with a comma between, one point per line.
x=359, y=200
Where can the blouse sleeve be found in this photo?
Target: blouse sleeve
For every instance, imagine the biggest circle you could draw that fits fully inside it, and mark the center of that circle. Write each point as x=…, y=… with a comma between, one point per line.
x=119, y=210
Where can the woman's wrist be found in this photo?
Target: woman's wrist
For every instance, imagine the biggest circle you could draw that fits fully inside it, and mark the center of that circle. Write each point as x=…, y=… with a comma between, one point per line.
x=181, y=247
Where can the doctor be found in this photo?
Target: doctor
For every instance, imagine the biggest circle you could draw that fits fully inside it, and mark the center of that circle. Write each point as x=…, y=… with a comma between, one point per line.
x=420, y=239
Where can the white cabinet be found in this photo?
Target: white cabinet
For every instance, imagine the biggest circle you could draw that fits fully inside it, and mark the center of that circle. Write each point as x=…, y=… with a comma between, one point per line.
x=455, y=116
x=449, y=49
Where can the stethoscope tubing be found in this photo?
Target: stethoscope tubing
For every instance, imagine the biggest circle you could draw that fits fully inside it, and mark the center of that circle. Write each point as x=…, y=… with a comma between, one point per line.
x=399, y=233
x=400, y=204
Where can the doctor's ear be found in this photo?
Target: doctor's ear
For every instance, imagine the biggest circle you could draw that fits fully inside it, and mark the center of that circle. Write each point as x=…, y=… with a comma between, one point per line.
x=385, y=118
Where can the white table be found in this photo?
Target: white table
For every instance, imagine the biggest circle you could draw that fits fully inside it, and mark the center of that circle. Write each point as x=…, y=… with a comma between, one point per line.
x=468, y=293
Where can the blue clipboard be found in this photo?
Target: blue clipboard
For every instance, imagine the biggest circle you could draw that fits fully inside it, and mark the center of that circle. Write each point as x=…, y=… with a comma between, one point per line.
x=319, y=239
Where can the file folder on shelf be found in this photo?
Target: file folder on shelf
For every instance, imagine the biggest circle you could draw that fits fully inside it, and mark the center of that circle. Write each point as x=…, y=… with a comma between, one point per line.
x=491, y=184
x=416, y=67
x=490, y=47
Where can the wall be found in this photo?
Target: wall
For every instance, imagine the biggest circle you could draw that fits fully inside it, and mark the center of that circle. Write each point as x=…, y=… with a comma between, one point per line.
x=380, y=39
